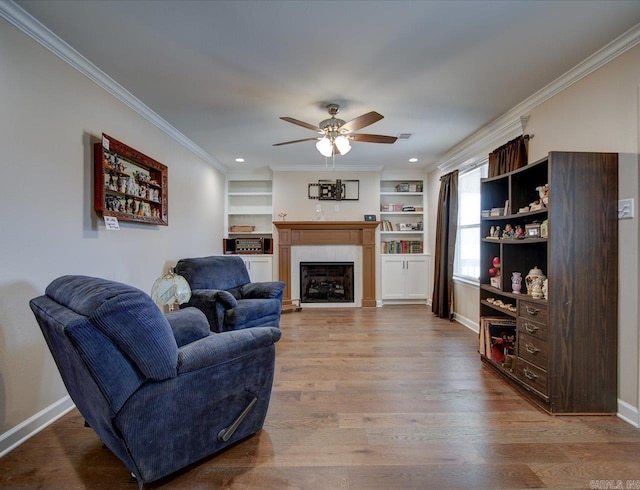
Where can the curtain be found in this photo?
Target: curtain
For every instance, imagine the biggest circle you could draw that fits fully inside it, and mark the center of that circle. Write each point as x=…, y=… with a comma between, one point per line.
x=446, y=230
x=508, y=157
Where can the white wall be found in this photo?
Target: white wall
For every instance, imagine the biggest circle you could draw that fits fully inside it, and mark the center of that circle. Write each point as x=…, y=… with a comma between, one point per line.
x=291, y=196
x=50, y=114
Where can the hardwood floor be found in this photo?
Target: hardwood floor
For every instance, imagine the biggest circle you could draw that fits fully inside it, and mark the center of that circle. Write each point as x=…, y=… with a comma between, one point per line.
x=377, y=398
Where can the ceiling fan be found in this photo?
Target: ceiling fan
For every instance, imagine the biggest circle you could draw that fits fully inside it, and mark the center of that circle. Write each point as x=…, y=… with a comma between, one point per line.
x=336, y=134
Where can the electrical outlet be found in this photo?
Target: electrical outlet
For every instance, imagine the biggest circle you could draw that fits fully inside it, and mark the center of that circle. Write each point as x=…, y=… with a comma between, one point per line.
x=318, y=208
x=336, y=208
x=625, y=209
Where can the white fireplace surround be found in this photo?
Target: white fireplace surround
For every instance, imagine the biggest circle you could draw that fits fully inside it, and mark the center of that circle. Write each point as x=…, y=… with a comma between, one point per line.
x=327, y=253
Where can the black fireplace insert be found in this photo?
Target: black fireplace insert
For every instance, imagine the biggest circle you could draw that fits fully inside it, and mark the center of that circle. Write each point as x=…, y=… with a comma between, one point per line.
x=326, y=282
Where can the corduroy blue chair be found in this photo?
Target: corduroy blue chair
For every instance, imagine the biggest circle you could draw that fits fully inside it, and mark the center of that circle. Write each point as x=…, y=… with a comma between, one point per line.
x=222, y=290
x=161, y=391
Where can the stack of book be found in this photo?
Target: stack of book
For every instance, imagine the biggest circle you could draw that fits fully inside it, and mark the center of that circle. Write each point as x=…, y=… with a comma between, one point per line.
x=401, y=247
x=497, y=338
x=386, y=225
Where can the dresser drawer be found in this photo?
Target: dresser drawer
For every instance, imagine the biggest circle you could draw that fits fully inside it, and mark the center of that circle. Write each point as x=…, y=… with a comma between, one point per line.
x=533, y=349
x=533, y=328
x=532, y=376
x=533, y=311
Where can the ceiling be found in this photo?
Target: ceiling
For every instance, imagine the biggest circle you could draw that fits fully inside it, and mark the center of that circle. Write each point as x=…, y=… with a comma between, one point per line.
x=223, y=72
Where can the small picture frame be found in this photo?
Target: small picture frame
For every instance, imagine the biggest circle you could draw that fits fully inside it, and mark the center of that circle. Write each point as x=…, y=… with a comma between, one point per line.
x=369, y=217
x=532, y=230
x=402, y=187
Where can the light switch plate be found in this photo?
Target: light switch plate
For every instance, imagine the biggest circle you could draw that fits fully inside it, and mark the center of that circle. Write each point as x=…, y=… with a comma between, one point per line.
x=625, y=208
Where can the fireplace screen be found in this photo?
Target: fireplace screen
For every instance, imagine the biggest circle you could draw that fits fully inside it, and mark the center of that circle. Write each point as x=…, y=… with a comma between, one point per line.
x=326, y=282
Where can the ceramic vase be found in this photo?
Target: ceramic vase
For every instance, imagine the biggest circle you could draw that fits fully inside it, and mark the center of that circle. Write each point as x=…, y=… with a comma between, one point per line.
x=516, y=282
x=534, y=282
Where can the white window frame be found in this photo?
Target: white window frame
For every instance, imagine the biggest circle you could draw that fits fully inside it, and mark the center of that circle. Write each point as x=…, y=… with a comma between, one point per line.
x=481, y=171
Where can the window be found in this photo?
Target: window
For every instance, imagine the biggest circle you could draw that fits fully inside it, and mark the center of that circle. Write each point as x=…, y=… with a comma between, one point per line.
x=467, y=259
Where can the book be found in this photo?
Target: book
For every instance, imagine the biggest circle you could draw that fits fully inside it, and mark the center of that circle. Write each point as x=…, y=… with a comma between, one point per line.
x=497, y=338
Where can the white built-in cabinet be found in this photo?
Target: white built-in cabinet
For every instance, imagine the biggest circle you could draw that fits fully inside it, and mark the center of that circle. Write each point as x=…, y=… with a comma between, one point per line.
x=404, y=277
x=260, y=267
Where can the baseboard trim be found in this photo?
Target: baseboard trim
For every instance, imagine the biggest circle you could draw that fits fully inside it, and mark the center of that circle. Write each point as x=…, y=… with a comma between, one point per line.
x=470, y=324
x=30, y=427
x=628, y=413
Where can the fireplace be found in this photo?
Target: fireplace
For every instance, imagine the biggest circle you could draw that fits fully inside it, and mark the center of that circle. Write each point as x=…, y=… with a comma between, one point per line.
x=326, y=282
x=323, y=235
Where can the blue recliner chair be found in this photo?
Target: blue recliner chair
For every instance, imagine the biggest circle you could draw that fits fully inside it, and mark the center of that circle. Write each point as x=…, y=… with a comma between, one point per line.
x=222, y=290
x=161, y=391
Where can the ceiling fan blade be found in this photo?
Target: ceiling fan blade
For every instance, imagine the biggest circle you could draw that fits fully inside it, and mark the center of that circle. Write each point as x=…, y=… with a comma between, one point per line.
x=295, y=141
x=302, y=123
x=373, y=138
x=361, y=121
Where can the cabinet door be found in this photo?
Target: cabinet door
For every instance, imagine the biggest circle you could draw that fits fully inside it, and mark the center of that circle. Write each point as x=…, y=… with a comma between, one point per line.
x=416, y=277
x=393, y=277
x=260, y=267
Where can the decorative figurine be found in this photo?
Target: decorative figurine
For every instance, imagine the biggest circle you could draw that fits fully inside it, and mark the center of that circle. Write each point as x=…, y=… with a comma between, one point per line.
x=132, y=186
x=508, y=231
x=535, y=205
x=543, y=192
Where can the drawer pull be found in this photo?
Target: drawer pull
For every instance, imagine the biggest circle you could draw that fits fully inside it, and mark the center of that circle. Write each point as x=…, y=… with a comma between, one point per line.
x=531, y=310
x=531, y=349
x=531, y=328
x=529, y=374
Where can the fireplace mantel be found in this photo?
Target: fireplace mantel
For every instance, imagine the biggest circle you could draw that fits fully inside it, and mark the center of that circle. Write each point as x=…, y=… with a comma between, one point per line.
x=363, y=233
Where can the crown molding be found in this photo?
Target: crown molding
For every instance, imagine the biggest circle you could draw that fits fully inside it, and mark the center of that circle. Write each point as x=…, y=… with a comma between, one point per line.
x=509, y=125
x=22, y=20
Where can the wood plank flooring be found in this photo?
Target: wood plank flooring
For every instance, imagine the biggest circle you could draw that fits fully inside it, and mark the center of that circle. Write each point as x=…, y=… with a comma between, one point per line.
x=379, y=398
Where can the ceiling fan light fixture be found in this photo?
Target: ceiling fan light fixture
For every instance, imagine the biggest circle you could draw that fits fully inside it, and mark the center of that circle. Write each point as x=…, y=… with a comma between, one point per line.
x=342, y=144
x=325, y=147
x=337, y=134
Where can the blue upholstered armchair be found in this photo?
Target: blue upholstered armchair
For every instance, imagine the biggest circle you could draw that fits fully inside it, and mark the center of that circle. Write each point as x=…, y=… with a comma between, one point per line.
x=161, y=391
x=221, y=288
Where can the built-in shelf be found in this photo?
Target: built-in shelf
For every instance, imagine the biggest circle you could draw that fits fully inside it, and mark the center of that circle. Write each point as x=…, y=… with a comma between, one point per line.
x=250, y=204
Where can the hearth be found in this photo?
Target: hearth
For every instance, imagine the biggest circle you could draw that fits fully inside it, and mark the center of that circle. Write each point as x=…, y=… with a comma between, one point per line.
x=326, y=282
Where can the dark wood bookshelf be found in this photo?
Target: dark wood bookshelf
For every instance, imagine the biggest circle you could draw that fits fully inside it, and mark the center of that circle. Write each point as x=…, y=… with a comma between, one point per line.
x=566, y=343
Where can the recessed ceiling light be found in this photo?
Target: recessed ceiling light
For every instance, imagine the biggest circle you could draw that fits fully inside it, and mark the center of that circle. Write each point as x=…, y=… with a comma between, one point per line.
x=413, y=160
x=240, y=160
